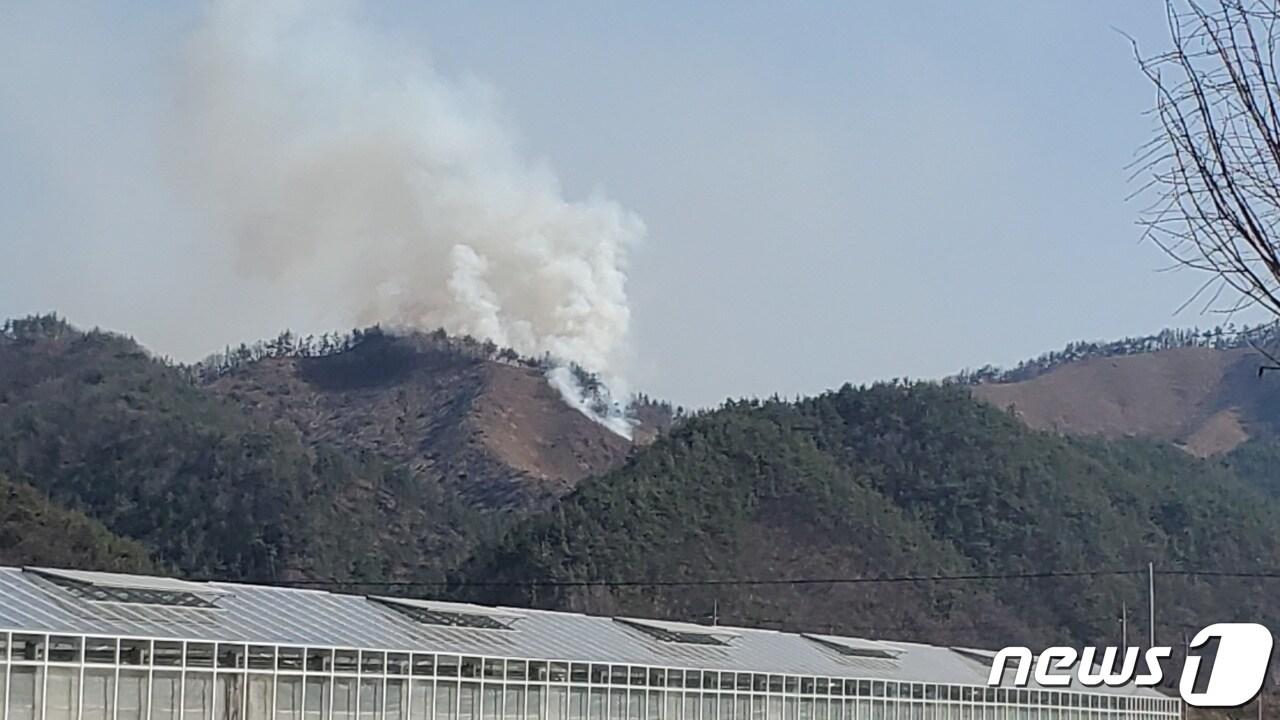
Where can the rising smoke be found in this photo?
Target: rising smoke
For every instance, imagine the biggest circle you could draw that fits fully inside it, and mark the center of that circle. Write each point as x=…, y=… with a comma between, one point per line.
x=349, y=171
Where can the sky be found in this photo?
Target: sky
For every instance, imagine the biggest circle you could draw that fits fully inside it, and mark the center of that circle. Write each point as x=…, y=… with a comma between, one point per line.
x=829, y=193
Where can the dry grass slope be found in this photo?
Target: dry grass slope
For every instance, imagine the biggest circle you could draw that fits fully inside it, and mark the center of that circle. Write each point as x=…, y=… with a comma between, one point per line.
x=1207, y=401
x=498, y=433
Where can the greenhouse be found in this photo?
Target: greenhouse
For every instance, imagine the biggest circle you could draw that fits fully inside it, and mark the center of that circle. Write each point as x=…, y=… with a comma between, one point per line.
x=78, y=645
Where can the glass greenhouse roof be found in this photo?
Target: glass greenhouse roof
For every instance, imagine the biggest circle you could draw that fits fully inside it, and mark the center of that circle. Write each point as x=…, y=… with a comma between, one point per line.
x=31, y=601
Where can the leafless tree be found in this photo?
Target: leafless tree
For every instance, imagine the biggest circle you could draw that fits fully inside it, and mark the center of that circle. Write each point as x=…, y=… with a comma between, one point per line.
x=1214, y=164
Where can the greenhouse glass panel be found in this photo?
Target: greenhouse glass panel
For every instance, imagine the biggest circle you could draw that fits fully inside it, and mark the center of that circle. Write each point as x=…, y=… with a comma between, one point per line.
x=370, y=699
x=62, y=693
x=317, y=700
x=491, y=701
x=230, y=696
x=99, y=694
x=131, y=703
x=617, y=704
x=534, y=703
x=597, y=706
x=557, y=699
x=513, y=705
x=165, y=695
x=691, y=706
x=344, y=698
x=258, y=706
x=397, y=707
x=635, y=705
x=197, y=697
x=469, y=701
x=289, y=697
x=446, y=701
x=421, y=699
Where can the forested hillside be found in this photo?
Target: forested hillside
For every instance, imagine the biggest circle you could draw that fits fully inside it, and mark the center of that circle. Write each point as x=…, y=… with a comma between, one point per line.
x=895, y=481
x=211, y=488
x=439, y=460
x=35, y=531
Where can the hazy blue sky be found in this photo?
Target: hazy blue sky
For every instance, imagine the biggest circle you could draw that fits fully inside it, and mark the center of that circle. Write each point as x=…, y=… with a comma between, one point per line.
x=835, y=192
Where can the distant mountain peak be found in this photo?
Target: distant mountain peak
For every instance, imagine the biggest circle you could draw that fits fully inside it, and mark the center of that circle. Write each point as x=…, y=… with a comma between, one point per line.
x=478, y=417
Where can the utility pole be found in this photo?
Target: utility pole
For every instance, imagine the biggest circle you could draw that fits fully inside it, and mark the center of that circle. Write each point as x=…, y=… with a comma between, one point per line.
x=1186, y=657
x=1151, y=596
x=1124, y=629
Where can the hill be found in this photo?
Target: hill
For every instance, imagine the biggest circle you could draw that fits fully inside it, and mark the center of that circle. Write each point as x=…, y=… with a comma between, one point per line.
x=270, y=469
x=893, y=481
x=34, y=531
x=381, y=458
x=1206, y=400
x=485, y=426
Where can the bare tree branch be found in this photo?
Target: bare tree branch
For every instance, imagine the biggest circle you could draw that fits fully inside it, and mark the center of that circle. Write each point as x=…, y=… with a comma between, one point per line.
x=1214, y=164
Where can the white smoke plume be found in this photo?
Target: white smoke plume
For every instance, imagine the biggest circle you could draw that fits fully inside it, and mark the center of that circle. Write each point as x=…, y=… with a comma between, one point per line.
x=598, y=405
x=351, y=172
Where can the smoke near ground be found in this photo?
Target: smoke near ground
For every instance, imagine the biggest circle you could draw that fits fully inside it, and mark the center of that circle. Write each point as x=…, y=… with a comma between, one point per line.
x=347, y=170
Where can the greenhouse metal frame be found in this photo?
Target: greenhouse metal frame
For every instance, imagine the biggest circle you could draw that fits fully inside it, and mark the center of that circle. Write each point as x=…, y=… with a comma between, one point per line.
x=421, y=660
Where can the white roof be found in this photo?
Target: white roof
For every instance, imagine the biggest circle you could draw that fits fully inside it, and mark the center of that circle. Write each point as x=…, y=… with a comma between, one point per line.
x=288, y=616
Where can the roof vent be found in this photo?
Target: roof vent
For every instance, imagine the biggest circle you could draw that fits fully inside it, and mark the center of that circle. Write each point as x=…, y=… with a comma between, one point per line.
x=855, y=647
x=983, y=656
x=446, y=614
x=678, y=632
x=131, y=589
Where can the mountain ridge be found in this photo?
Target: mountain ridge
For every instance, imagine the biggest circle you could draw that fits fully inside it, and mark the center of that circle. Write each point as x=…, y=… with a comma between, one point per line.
x=1208, y=401
x=891, y=480
x=224, y=482
x=426, y=406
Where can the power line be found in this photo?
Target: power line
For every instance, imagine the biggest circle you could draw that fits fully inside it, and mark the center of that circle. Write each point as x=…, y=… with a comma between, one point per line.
x=760, y=582
x=1246, y=575
x=715, y=582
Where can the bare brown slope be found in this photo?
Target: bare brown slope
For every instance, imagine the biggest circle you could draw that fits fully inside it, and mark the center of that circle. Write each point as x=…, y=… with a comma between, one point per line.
x=519, y=418
x=1208, y=401
x=495, y=431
